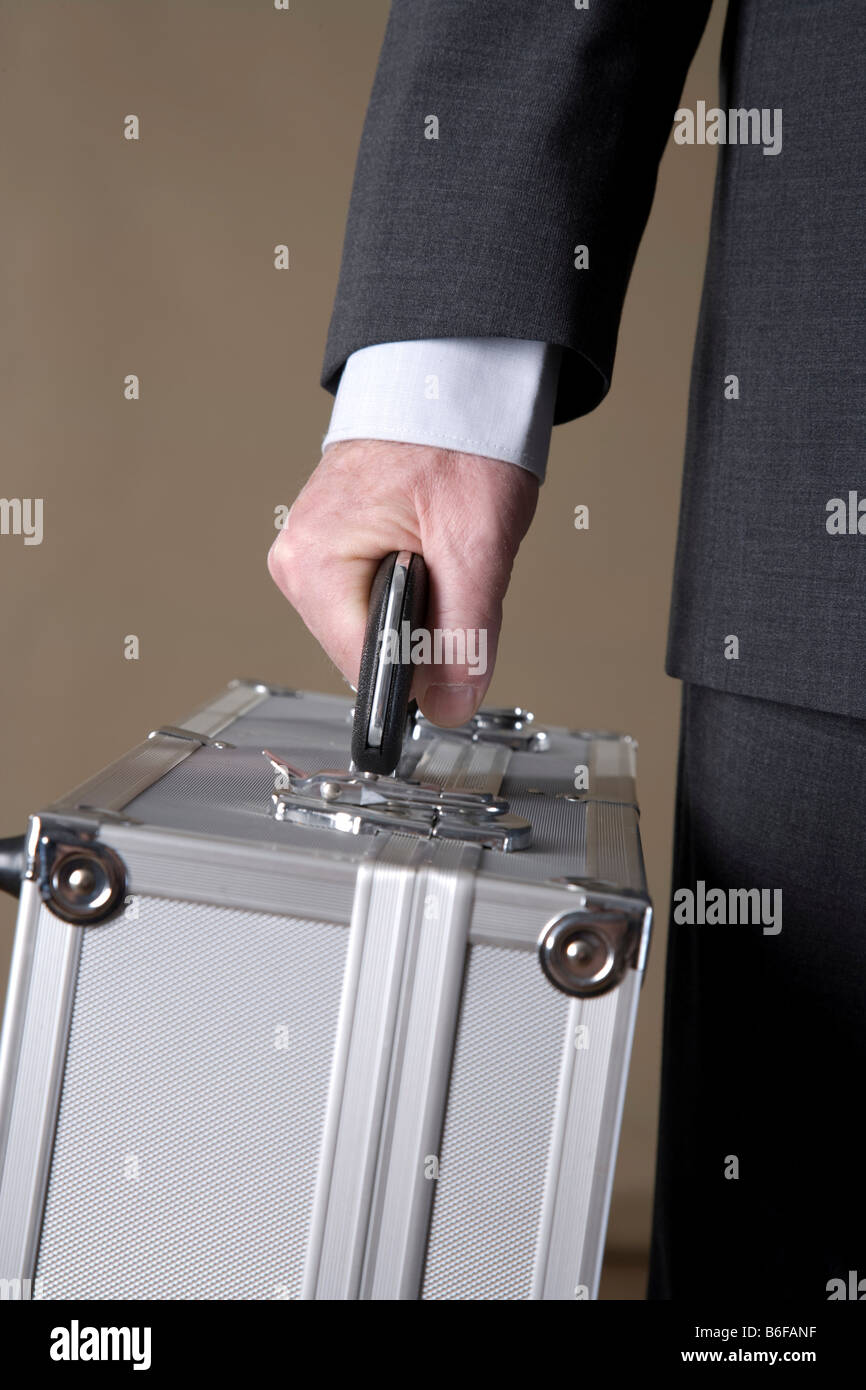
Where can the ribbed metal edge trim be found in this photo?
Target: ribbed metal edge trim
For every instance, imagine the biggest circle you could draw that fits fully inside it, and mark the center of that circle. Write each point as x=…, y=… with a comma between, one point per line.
x=35, y=1036
x=112, y=788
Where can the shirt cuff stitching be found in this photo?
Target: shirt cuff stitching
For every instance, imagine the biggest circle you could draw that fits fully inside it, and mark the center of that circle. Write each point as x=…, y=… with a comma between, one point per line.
x=478, y=446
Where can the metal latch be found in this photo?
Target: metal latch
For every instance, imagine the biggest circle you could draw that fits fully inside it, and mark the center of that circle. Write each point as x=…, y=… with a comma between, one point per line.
x=364, y=803
x=512, y=727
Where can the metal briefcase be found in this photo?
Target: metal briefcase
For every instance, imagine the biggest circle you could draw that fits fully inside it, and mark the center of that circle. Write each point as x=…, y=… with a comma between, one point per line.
x=278, y=1029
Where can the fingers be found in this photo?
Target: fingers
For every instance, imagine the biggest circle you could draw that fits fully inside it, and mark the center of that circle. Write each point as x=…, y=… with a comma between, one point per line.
x=464, y=615
x=330, y=594
x=473, y=516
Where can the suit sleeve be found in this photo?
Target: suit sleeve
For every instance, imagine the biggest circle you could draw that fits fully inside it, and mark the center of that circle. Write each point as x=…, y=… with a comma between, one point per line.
x=551, y=122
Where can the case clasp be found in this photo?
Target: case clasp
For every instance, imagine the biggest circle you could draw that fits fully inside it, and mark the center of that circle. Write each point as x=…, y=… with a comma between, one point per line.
x=364, y=803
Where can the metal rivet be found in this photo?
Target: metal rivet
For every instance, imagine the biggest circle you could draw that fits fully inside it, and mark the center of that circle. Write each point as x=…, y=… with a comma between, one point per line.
x=84, y=883
x=576, y=955
x=81, y=880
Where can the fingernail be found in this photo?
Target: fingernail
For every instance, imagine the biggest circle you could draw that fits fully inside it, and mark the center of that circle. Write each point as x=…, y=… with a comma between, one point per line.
x=450, y=705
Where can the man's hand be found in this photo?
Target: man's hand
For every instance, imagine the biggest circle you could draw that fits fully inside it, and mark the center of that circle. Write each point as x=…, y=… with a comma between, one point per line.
x=464, y=513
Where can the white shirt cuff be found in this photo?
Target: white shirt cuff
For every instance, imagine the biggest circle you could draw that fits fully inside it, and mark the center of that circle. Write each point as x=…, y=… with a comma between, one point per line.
x=489, y=396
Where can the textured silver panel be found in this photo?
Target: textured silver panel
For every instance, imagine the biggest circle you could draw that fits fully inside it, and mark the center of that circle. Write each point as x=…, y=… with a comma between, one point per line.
x=581, y=839
x=558, y=838
x=189, y=1124
x=498, y=1129
x=227, y=792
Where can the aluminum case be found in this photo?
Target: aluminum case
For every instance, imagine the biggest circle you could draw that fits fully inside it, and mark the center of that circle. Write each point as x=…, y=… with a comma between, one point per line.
x=303, y=1061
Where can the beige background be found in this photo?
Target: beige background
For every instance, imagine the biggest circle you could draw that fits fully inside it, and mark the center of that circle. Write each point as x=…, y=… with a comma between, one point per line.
x=156, y=258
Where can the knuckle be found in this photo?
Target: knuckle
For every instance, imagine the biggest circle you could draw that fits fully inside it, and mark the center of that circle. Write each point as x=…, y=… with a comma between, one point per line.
x=286, y=562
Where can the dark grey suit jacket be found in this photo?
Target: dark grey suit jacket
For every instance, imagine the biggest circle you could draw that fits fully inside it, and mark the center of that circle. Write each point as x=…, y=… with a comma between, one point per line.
x=552, y=121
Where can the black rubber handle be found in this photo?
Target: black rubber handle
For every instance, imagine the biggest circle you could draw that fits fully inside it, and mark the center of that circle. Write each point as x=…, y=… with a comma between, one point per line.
x=398, y=601
x=13, y=863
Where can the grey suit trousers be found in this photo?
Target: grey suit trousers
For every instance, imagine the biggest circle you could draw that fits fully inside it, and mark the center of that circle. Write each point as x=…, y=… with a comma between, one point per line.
x=759, y=1189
